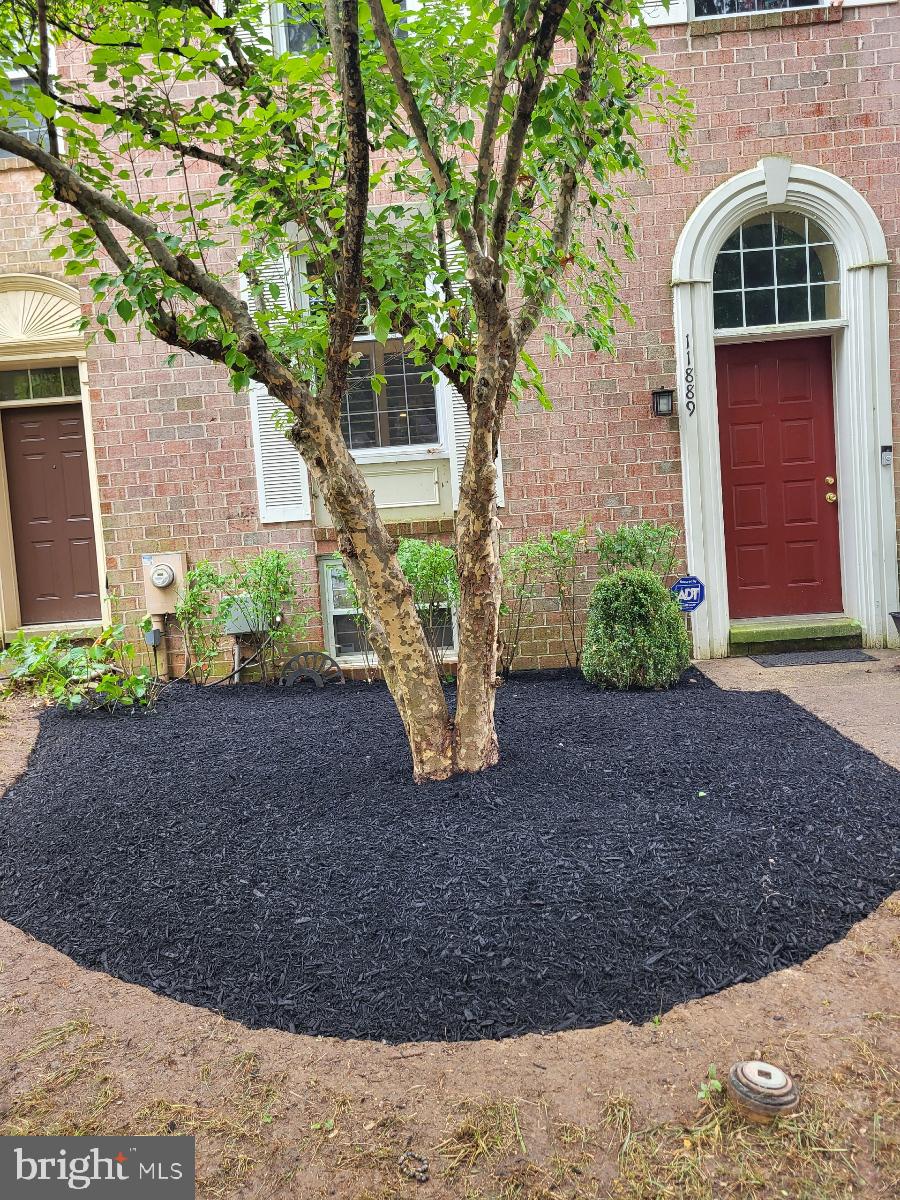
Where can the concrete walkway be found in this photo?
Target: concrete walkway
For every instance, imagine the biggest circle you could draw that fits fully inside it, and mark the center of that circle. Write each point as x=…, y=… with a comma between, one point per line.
x=861, y=700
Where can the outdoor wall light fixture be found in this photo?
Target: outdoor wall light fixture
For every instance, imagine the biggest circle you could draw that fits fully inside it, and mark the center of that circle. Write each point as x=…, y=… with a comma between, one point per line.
x=663, y=402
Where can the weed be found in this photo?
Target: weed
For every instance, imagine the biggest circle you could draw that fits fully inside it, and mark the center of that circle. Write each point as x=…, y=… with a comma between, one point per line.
x=710, y=1086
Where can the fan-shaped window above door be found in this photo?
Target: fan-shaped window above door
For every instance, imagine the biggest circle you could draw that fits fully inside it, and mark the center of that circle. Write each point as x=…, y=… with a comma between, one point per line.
x=779, y=268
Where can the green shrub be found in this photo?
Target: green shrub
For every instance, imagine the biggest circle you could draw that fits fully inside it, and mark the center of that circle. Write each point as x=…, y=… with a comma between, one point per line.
x=200, y=620
x=521, y=565
x=561, y=566
x=648, y=546
x=269, y=591
x=635, y=635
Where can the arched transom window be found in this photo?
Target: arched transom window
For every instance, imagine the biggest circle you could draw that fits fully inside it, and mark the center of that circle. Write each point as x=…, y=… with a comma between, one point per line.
x=777, y=269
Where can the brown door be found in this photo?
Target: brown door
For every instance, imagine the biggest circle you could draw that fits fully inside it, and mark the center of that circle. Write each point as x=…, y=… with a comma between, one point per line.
x=50, y=499
x=779, y=489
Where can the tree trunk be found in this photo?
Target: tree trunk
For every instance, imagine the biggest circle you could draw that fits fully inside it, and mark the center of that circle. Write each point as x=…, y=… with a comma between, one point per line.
x=395, y=629
x=478, y=564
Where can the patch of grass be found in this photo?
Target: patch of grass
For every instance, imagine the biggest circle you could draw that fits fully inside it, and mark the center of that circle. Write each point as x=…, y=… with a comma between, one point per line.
x=488, y=1129
x=71, y=1100
x=618, y=1115
x=53, y=1038
x=809, y=1156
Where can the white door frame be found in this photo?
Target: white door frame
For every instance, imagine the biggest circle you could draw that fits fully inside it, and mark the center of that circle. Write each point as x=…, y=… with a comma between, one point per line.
x=862, y=396
x=53, y=340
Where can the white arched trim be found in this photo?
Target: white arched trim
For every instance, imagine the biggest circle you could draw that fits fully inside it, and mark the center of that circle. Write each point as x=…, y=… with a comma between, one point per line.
x=861, y=389
x=39, y=318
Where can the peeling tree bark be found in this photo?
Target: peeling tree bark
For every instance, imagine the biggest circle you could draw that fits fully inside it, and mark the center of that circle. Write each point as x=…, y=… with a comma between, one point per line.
x=395, y=629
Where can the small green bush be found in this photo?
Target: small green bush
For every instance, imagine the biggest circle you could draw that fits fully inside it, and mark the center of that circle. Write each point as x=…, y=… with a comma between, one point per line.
x=635, y=635
x=80, y=676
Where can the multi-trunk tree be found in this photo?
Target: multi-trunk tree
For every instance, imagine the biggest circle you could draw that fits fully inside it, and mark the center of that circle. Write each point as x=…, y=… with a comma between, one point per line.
x=187, y=144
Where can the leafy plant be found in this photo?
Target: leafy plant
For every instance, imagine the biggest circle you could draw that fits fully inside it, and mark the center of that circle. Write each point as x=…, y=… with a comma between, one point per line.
x=201, y=620
x=360, y=620
x=522, y=565
x=81, y=676
x=267, y=593
x=431, y=569
x=647, y=546
x=635, y=635
x=561, y=567
x=710, y=1086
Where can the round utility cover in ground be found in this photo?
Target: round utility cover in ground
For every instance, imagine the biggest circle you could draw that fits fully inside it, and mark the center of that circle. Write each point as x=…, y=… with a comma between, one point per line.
x=265, y=853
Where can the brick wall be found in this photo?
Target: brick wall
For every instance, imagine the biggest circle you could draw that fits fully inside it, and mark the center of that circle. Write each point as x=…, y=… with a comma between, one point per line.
x=174, y=450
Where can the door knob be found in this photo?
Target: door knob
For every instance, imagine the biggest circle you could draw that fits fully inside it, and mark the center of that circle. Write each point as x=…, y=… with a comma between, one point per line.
x=829, y=479
x=831, y=497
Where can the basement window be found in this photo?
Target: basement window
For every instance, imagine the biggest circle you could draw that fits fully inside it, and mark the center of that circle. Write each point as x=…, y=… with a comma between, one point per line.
x=345, y=634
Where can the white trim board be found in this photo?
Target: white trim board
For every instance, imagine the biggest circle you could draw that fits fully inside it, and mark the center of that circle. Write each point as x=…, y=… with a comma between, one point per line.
x=862, y=396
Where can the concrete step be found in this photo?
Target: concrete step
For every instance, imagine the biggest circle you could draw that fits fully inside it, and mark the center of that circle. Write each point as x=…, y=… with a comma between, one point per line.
x=769, y=635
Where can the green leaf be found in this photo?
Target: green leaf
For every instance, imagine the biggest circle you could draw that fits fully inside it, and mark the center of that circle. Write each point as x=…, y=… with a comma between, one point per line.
x=45, y=105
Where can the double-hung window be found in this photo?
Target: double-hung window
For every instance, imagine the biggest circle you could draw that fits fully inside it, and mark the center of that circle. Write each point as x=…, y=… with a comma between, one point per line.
x=390, y=402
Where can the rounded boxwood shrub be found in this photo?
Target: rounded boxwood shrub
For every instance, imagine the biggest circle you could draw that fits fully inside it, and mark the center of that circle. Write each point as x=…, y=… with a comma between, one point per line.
x=635, y=635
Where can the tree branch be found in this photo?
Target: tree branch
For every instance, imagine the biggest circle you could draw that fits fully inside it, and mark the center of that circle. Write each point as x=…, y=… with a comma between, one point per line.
x=162, y=324
x=71, y=189
x=510, y=44
x=529, y=93
x=43, y=72
x=342, y=17
x=567, y=191
x=410, y=106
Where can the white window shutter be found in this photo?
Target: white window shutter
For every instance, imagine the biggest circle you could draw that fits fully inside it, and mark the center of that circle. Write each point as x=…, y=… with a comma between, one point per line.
x=458, y=428
x=281, y=474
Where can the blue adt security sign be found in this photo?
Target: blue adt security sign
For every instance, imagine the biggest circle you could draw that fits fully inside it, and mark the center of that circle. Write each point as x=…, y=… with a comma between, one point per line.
x=689, y=592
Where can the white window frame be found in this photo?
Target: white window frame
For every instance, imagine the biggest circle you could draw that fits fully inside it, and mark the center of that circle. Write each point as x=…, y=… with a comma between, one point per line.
x=681, y=12
x=327, y=567
x=793, y=6
x=827, y=322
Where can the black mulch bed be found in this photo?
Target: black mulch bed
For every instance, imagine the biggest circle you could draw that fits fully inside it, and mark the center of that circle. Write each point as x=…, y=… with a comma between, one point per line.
x=265, y=854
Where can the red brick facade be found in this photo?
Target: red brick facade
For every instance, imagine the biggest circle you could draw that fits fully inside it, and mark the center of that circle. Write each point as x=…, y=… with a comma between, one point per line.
x=173, y=444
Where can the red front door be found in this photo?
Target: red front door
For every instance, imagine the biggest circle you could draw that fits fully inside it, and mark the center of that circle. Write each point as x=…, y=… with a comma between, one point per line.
x=776, y=436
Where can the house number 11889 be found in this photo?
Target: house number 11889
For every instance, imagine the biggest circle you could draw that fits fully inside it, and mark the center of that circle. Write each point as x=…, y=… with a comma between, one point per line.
x=688, y=377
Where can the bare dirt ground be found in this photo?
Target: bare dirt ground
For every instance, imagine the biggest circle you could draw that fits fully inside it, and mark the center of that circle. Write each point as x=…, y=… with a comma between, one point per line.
x=610, y=1112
